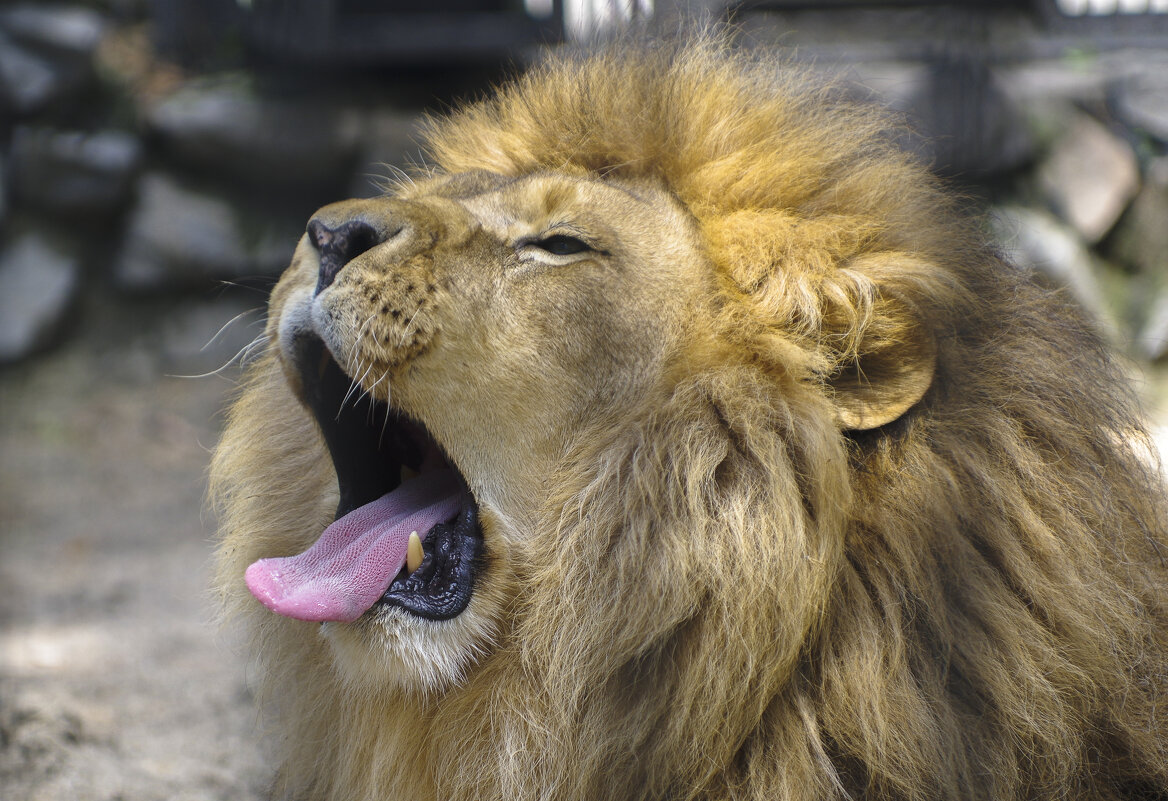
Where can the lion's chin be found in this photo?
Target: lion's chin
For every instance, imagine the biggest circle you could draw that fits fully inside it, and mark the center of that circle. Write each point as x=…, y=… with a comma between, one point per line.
x=391, y=650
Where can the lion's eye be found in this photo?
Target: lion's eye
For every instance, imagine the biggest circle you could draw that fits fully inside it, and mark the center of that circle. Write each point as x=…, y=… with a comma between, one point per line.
x=560, y=245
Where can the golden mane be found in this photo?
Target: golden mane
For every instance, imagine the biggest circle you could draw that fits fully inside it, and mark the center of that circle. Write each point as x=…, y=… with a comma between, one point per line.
x=730, y=597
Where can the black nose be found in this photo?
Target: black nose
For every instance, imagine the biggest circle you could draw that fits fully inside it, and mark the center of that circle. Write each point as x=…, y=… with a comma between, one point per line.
x=340, y=245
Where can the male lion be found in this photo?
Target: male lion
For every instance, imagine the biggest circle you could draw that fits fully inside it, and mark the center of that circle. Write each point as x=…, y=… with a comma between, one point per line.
x=741, y=470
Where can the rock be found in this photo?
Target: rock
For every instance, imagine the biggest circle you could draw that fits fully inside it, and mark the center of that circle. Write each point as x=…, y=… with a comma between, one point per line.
x=66, y=29
x=28, y=83
x=74, y=173
x=178, y=238
x=1089, y=177
x=3, y=189
x=1141, y=101
x=225, y=125
x=45, y=54
x=1141, y=242
x=1036, y=240
x=1141, y=238
x=38, y=285
x=897, y=84
x=1060, y=80
x=1152, y=340
x=203, y=337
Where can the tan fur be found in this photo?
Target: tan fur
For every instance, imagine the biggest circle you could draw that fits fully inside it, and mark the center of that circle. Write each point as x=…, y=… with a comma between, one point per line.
x=797, y=493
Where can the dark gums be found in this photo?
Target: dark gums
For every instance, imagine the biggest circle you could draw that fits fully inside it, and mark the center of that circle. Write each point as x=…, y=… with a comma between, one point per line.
x=442, y=585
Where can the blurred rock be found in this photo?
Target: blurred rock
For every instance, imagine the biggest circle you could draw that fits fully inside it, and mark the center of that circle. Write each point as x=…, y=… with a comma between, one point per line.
x=1141, y=238
x=45, y=54
x=74, y=173
x=38, y=285
x=1141, y=241
x=1050, y=119
x=1152, y=341
x=62, y=28
x=28, y=82
x=893, y=83
x=1037, y=240
x=1142, y=102
x=180, y=238
x=223, y=124
x=3, y=189
x=1061, y=79
x=202, y=337
x=1089, y=177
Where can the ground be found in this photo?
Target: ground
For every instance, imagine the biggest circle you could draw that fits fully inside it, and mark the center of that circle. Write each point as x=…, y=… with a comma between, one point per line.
x=115, y=681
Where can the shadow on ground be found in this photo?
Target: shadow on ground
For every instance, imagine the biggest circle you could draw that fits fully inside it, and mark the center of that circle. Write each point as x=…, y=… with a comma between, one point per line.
x=114, y=681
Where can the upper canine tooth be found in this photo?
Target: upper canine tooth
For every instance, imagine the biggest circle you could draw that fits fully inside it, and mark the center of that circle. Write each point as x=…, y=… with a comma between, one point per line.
x=407, y=473
x=414, y=552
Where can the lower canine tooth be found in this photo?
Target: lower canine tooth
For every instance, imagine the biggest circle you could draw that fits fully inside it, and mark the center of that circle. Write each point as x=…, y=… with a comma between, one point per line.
x=414, y=552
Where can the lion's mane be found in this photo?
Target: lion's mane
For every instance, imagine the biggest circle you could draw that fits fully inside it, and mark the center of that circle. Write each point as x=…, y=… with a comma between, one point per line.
x=734, y=598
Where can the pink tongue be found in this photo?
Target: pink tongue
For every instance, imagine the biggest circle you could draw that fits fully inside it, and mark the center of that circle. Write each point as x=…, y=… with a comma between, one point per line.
x=357, y=557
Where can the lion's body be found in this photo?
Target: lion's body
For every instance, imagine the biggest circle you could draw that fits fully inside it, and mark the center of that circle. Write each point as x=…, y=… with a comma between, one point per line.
x=841, y=506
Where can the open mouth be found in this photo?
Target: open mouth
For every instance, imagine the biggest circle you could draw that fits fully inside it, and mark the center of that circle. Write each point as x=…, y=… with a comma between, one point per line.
x=406, y=532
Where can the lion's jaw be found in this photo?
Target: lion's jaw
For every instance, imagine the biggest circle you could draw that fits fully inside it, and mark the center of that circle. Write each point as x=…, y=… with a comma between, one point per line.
x=509, y=318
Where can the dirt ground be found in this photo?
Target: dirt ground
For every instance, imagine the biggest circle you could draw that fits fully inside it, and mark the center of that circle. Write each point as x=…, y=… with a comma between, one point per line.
x=114, y=681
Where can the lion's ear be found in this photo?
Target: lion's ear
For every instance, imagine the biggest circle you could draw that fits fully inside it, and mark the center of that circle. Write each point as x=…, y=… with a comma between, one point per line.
x=893, y=371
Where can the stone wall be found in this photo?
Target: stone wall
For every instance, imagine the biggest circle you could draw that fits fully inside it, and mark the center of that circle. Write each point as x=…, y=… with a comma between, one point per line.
x=129, y=176
x=126, y=174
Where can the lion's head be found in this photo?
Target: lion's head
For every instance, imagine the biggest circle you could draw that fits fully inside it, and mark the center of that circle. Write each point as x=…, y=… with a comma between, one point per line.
x=738, y=468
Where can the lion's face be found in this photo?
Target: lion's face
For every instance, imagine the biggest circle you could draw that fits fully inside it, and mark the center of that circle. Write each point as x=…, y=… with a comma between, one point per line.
x=479, y=325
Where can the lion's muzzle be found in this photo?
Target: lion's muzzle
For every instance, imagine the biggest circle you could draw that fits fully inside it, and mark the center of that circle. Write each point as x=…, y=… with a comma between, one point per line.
x=342, y=232
x=376, y=283
x=372, y=310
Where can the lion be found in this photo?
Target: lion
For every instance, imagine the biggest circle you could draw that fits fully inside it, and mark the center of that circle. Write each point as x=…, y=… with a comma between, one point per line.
x=673, y=435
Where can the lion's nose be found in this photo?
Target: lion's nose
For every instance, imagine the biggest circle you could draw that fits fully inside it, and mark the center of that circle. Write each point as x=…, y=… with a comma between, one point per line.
x=340, y=244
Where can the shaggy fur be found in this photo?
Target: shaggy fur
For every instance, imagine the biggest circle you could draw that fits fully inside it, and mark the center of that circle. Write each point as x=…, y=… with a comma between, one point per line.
x=751, y=585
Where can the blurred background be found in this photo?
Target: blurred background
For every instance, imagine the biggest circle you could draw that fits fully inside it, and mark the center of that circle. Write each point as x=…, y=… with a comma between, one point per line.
x=158, y=160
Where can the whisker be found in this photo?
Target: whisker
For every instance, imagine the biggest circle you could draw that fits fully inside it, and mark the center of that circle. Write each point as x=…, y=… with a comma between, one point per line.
x=354, y=386
x=253, y=349
x=227, y=325
x=394, y=179
x=265, y=289
x=354, y=355
x=243, y=356
x=364, y=329
x=388, y=407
